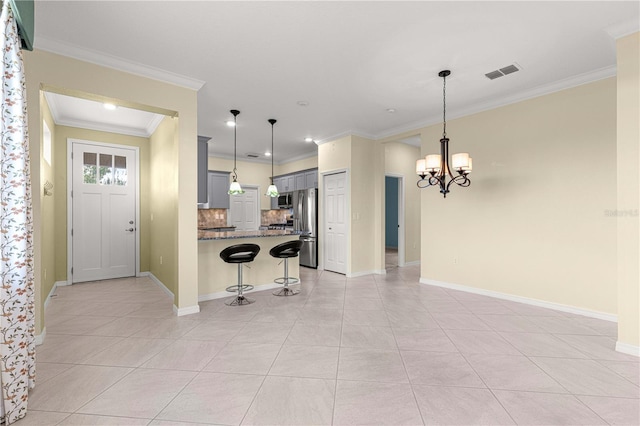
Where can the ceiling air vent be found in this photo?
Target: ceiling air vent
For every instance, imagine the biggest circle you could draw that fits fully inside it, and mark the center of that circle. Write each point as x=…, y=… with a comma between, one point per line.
x=252, y=155
x=509, y=69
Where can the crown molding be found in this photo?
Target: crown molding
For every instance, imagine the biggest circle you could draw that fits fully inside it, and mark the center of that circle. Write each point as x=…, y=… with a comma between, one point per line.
x=154, y=123
x=546, y=89
x=116, y=63
x=345, y=134
x=101, y=127
x=622, y=29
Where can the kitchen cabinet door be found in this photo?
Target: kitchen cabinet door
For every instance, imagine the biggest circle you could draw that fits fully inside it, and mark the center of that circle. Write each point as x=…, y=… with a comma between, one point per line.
x=300, y=181
x=311, y=179
x=290, y=183
x=279, y=182
x=218, y=187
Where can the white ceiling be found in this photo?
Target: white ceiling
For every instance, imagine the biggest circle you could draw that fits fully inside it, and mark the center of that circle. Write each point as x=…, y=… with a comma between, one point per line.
x=350, y=61
x=76, y=112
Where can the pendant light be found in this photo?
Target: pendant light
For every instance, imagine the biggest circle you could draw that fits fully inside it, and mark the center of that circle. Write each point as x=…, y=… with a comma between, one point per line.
x=272, y=191
x=434, y=169
x=235, y=188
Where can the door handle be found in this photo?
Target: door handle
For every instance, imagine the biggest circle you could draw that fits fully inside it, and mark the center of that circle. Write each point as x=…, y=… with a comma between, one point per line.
x=130, y=229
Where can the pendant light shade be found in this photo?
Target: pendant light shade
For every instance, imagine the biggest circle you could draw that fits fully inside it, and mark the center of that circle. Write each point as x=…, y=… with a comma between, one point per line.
x=235, y=188
x=272, y=191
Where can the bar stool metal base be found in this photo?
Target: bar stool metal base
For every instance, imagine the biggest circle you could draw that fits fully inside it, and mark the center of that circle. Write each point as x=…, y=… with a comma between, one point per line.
x=238, y=301
x=286, y=291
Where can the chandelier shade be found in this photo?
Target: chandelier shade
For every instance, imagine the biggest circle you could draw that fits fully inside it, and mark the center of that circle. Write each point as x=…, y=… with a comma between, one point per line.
x=434, y=169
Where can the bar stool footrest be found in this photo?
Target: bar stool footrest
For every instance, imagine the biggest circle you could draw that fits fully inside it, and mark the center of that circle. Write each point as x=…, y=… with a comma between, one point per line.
x=238, y=301
x=285, y=280
x=234, y=288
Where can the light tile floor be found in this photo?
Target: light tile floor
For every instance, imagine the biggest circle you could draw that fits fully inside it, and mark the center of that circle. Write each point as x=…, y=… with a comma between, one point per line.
x=380, y=349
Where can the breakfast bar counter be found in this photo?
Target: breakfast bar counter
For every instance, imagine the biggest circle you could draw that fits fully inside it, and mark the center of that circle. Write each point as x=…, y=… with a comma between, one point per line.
x=214, y=275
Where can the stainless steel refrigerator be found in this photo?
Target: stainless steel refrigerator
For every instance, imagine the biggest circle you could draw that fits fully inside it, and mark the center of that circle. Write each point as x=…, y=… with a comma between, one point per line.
x=305, y=220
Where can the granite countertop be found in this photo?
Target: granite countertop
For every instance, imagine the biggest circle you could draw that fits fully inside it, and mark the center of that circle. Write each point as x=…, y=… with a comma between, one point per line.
x=216, y=235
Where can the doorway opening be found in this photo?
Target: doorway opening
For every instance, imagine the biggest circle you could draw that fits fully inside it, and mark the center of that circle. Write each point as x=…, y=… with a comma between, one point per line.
x=394, y=221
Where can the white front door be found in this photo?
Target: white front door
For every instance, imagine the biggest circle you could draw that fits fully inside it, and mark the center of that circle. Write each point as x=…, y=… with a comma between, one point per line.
x=244, y=210
x=103, y=230
x=335, y=222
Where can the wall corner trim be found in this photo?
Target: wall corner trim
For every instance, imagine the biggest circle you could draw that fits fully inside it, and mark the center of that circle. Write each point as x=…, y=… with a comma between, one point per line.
x=527, y=301
x=189, y=310
x=40, y=337
x=158, y=282
x=628, y=349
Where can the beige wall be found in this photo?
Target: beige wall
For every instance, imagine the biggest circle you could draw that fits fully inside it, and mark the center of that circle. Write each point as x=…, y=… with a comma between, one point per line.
x=533, y=221
x=363, y=160
x=163, y=212
x=46, y=70
x=628, y=231
x=400, y=160
x=296, y=166
x=366, y=186
x=47, y=204
x=332, y=156
x=249, y=173
x=63, y=133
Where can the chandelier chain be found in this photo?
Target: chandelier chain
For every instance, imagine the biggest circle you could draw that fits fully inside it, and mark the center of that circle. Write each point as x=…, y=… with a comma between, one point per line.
x=444, y=106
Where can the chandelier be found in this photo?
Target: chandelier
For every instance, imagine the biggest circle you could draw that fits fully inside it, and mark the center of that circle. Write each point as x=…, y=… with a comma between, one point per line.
x=434, y=169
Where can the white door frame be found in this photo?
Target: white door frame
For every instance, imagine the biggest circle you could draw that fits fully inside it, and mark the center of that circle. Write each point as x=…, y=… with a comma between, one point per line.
x=321, y=223
x=70, y=142
x=401, y=228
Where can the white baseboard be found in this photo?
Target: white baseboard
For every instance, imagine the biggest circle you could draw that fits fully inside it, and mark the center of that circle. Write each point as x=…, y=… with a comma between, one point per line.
x=628, y=349
x=414, y=263
x=158, y=282
x=528, y=301
x=40, y=337
x=186, y=311
x=62, y=283
x=53, y=291
x=223, y=294
x=363, y=273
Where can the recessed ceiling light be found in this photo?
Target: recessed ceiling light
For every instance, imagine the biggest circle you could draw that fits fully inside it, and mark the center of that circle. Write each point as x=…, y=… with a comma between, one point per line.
x=230, y=123
x=303, y=103
x=110, y=107
x=267, y=154
x=308, y=139
x=391, y=110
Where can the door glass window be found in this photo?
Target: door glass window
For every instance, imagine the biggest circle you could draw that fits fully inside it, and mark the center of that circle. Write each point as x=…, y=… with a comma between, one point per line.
x=120, y=170
x=89, y=167
x=106, y=169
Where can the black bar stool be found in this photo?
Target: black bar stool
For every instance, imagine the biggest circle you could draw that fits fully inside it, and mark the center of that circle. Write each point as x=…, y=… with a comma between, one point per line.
x=285, y=251
x=240, y=254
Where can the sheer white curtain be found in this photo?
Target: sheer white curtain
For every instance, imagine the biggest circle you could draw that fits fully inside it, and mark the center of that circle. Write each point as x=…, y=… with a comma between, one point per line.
x=17, y=308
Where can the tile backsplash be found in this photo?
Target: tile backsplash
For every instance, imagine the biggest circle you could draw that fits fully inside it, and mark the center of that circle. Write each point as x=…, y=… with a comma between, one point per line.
x=212, y=218
x=268, y=217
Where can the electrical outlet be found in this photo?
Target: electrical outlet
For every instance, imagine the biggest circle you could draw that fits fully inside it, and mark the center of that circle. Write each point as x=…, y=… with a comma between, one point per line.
x=455, y=260
x=161, y=260
x=45, y=274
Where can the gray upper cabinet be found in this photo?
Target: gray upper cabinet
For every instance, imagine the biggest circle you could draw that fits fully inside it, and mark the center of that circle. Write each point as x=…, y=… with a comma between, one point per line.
x=218, y=187
x=300, y=181
x=203, y=158
x=311, y=179
x=289, y=183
